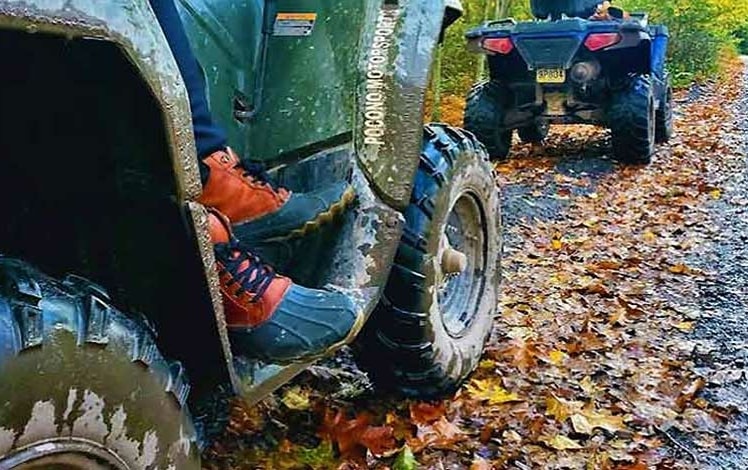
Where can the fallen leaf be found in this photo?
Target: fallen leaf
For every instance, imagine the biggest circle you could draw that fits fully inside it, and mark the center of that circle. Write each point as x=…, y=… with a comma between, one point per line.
x=689, y=392
x=405, y=460
x=557, y=357
x=610, y=423
x=588, y=386
x=580, y=424
x=488, y=390
x=379, y=440
x=684, y=326
x=563, y=443
x=296, y=399
x=426, y=413
x=680, y=269
x=480, y=464
x=559, y=408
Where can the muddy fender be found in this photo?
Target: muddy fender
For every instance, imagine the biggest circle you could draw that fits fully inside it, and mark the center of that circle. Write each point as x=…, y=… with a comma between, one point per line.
x=395, y=70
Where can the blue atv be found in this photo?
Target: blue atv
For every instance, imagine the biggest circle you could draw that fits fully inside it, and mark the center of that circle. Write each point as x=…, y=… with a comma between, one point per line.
x=578, y=63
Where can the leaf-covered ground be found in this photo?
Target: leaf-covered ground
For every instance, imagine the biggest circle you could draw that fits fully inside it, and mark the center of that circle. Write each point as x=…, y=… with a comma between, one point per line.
x=620, y=342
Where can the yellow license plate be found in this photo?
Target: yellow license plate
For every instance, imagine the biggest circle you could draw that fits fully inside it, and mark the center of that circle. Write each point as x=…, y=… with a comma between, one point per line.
x=551, y=75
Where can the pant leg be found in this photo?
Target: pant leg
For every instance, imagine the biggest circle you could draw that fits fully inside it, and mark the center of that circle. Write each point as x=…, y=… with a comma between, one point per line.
x=209, y=136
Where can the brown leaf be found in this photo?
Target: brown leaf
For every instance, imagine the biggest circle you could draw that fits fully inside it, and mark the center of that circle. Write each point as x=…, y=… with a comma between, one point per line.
x=480, y=464
x=689, y=392
x=426, y=413
x=559, y=408
x=379, y=440
x=680, y=269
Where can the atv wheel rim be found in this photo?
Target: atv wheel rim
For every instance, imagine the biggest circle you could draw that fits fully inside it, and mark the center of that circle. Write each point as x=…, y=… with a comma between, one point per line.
x=68, y=454
x=652, y=124
x=462, y=264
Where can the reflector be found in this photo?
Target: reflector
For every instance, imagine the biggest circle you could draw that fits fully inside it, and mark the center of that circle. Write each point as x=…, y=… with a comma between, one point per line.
x=597, y=41
x=499, y=45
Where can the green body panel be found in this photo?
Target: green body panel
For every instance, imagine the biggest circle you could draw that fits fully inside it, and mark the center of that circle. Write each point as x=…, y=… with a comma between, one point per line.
x=226, y=36
x=308, y=86
x=304, y=93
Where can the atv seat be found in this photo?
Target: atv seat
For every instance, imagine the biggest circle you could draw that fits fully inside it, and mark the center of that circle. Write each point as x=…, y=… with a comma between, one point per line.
x=542, y=9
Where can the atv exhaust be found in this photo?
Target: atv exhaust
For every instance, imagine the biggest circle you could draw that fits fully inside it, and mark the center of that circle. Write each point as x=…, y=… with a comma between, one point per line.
x=585, y=72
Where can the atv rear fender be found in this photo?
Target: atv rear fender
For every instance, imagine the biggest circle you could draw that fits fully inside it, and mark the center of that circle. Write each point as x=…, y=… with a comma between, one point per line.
x=632, y=54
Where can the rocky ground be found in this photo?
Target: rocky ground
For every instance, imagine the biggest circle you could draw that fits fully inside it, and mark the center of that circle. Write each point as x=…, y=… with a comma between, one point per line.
x=622, y=340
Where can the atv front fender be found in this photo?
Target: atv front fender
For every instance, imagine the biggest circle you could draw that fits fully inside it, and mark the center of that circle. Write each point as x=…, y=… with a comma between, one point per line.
x=395, y=70
x=131, y=26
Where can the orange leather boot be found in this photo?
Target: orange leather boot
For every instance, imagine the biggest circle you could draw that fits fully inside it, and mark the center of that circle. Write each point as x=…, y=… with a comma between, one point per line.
x=262, y=211
x=269, y=317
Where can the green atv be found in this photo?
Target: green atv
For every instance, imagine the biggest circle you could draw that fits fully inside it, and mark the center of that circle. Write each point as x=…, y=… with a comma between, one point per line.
x=99, y=180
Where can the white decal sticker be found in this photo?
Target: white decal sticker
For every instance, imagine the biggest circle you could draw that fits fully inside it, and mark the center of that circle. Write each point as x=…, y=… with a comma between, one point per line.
x=376, y=92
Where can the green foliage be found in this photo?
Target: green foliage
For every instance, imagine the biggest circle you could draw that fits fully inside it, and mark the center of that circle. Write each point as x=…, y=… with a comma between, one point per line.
x=700, y=32
x=459, y=66
x=405, y=460
x=742, y=36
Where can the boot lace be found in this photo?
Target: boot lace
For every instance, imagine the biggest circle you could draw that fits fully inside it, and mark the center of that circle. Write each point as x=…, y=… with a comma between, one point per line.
x=257, y=172
x=255, y=278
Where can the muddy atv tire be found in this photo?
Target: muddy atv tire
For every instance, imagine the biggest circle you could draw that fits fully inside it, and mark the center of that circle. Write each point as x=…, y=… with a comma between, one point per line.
x=664, y=116
x=484, y=117
x=632, y=121
x=428, y=332
x=534, y=133
x=82, y=385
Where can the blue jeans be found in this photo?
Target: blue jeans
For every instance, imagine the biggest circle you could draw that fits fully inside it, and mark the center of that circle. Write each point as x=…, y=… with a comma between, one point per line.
x=209, y=137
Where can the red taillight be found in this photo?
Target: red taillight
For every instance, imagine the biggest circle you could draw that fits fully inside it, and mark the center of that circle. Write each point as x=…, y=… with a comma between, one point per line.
x=500, y=45
x=597, y=41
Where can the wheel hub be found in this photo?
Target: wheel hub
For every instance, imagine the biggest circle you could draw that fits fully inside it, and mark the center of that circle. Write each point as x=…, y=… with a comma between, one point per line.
x=461, y=264
x=453, y=261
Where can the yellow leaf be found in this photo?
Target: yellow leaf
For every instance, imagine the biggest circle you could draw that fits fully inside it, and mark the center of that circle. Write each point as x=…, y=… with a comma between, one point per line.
x=649, y=236
x=559, y=408
x=487, y=364
x=563, y=443
x=715, y=193
x=684, y=326
x=296, y=399
x=495, y=394
x=680, y=269
x=588, y=386
x=557, y=244
x=557, y=357
x=610, y=423
x=580, y=424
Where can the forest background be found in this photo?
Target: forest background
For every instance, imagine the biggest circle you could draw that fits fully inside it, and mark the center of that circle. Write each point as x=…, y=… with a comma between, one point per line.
x=704, y=34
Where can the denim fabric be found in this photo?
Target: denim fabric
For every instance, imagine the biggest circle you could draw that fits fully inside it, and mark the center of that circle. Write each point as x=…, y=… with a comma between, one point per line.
x=209, y=136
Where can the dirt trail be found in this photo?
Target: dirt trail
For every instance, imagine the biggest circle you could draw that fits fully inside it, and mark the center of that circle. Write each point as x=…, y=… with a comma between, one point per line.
x=722, y=354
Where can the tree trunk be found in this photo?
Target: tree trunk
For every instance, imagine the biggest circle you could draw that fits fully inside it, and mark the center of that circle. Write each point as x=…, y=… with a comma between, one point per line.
x=502, y=8
x=480, y=70
x=436, y=87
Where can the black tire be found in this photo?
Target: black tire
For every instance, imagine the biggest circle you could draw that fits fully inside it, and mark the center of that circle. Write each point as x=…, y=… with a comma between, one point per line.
x=534, y=133
x=418, y=342
x=664, y=115
x=83, y=385
x=632, y=121
x=484, y=117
